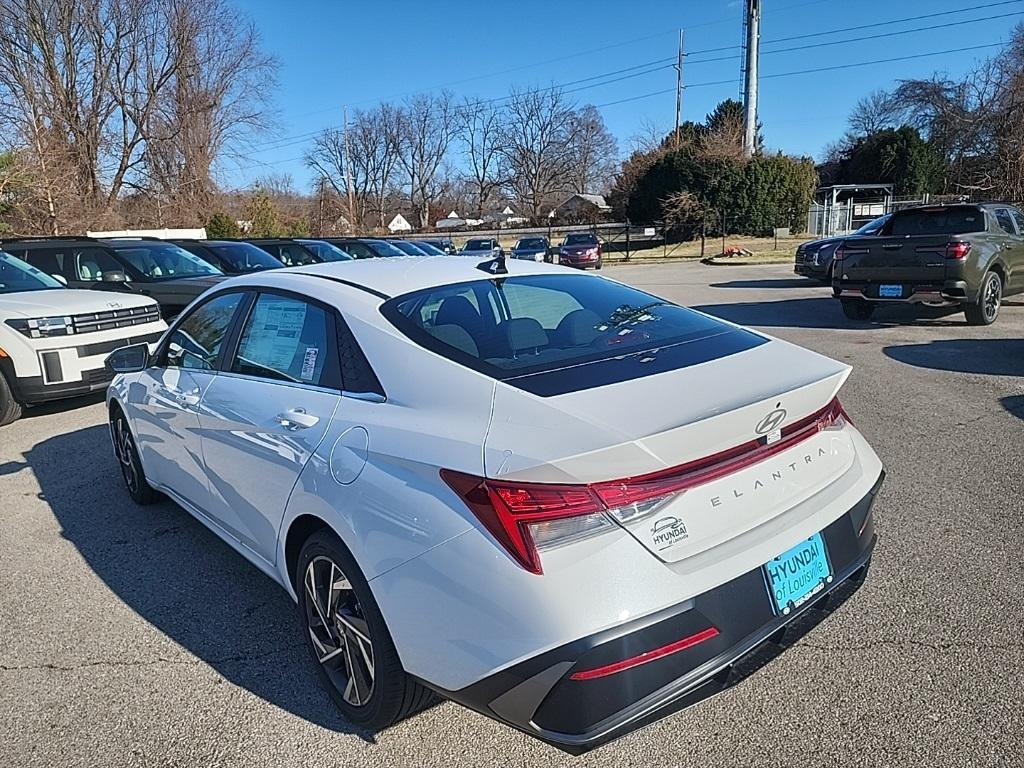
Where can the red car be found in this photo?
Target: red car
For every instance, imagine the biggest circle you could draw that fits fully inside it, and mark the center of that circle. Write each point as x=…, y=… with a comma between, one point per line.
x=580, y=249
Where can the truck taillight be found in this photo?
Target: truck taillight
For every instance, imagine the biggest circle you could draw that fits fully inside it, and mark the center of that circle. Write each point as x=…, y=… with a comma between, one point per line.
x=957, y=251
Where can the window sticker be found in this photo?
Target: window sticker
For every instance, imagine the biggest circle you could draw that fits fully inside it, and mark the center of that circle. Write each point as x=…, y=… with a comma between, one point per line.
x=309, y=363
x=274, y=333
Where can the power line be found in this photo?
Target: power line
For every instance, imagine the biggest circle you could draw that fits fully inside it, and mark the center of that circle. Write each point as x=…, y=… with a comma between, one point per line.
x=650, y=67
x=734, y=80
x=869, y=37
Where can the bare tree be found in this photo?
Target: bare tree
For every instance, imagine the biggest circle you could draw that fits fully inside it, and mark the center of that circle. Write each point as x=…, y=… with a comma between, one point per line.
x=872, y=113
x=593, y=152
x=426, y=129
x=480, y=130
x=373, y=146
x=535, y=147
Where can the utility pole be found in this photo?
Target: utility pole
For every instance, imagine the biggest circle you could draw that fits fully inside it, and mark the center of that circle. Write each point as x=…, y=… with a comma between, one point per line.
x=679, y=88
x=348, y=170
x=753, y=46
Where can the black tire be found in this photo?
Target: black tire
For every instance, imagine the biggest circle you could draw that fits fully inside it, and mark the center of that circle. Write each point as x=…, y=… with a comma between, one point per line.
x=10, y=409
x=985, y=309
x=127, y=456
x=392, y=694
x=857, y=309
x=599, y=265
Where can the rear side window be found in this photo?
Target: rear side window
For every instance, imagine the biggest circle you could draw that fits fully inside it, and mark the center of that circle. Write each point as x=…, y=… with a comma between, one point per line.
x=937, y=221
x=522, y=326
x=286, y=339
x=82, y=264
x=195, y=343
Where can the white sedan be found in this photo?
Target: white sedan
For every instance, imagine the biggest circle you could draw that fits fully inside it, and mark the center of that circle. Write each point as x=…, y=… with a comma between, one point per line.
x=561, y=501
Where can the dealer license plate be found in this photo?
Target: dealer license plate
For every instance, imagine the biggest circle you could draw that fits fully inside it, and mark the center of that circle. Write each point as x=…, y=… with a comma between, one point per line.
x=798, y=574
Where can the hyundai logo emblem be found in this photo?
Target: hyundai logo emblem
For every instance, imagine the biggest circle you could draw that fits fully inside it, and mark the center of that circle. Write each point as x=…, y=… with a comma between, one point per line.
x=771, y=422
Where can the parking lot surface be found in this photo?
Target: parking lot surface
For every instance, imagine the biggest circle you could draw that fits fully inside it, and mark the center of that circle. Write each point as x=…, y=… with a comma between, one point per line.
x=133, y=636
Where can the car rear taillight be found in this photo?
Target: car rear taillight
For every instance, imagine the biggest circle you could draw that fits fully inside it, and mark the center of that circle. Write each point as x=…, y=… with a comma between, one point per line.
x=957, y=250
x=527, y=517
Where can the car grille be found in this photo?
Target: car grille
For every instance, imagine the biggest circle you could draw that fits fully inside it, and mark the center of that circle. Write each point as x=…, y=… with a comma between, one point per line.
x=115, y=318
x=104, y=347
x=97, y=376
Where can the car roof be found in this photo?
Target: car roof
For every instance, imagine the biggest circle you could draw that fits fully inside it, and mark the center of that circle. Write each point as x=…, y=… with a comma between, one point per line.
x=49, y=242
x=398, y=275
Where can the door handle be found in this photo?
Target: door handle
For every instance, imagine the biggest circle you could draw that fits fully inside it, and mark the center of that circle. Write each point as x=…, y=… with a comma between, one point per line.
x=186, y=399
x=296, y=418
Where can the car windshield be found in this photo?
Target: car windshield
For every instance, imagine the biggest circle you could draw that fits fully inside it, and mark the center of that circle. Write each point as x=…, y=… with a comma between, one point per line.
x=937, y=221
x=245, y=257
x=524, y=325
x=529, y=243
x=326, y=251
x=872, y=226
x=580, y=239
x=409, y=249
x=17, y=276
x=382, y=248
x=478, y=245
x=430, y=249
x=164, y=261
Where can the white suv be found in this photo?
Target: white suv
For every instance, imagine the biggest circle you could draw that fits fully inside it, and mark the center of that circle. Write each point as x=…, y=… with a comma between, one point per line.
x=53, y=341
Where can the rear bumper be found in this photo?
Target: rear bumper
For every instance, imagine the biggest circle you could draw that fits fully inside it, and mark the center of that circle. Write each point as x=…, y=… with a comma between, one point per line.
x=539, y=696
x=810, y=270
x=949, y=291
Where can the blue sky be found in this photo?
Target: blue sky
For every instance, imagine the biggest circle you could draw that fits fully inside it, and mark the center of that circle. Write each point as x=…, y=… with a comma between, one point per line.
x=359, y=53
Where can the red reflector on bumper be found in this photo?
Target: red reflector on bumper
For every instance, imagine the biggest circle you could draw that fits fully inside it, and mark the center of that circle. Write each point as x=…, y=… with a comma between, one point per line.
x=644, y=658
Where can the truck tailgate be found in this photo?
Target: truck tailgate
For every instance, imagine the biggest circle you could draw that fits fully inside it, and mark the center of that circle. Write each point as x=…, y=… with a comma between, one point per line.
x=901, y=260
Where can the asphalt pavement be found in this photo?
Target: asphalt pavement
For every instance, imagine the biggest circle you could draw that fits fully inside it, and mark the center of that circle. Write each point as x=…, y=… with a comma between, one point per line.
x=133, y=636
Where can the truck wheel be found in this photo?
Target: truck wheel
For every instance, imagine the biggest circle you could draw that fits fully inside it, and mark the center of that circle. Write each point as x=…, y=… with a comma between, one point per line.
x=985, y=309
x=857, y=309
x=10, y=409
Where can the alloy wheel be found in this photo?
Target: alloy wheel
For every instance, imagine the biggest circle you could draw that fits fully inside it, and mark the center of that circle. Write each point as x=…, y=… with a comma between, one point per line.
x=339, y=631
x=993, y=296
x=125, y=449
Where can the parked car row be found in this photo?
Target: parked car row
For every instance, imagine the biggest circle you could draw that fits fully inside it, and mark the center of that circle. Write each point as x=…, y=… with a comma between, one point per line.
x=966, y=256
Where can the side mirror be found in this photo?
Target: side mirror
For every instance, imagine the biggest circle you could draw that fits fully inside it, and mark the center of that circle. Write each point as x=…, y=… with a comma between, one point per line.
x=60, y=279
x=130, y=359
x=114, y=276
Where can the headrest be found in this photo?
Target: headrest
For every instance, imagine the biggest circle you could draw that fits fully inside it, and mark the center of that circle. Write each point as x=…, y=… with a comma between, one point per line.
x=577, y=329
x=523, y=333
x=455, y=336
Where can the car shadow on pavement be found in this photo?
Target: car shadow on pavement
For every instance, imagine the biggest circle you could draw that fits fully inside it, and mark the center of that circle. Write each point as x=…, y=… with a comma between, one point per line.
x=60, y=406
x=1014, y=404
x=825, y=312
x=785, y=282
x=994, y=357
x=178, y=576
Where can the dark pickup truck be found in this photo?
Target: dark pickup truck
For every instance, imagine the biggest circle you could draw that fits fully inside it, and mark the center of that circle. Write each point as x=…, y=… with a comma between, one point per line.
x=949, y=255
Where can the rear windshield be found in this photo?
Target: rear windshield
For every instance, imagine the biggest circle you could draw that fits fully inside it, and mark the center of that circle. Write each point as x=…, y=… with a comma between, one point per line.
x=937, y=221
x=522, y=326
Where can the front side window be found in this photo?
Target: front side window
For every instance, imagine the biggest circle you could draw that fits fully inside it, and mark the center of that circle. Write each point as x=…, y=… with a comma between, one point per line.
x=164, y=261
x=17, y=275
x=285, y=339
x=1005, y=222
x=293, y=255
x=1019, y=218
x=195, y=343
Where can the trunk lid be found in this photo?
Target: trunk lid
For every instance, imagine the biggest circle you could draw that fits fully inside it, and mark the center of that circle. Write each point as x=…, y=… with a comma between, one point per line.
x=721, y=408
